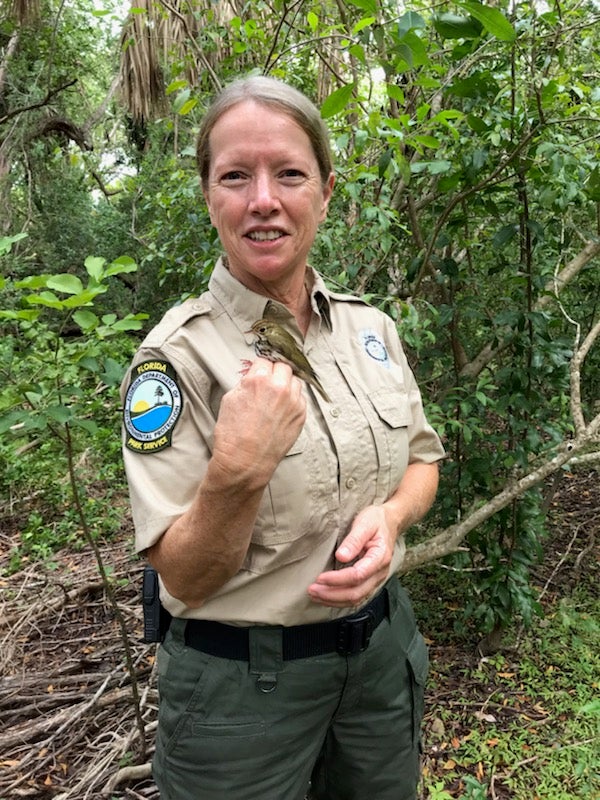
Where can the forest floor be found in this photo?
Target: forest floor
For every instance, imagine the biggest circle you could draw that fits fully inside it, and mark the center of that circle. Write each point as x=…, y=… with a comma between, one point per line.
x=67, y=724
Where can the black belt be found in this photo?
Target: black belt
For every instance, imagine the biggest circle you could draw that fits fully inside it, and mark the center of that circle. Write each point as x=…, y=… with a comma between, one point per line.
x=346, y=636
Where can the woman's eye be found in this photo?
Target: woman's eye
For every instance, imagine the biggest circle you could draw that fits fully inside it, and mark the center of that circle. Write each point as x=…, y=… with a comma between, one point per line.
x=291, y=176
x=234, y=175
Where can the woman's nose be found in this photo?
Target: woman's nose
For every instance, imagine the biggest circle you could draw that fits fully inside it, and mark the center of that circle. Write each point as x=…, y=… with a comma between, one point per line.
x=264, y=197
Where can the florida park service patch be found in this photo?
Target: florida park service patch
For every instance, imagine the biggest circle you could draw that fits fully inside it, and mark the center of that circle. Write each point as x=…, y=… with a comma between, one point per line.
x=152, y=407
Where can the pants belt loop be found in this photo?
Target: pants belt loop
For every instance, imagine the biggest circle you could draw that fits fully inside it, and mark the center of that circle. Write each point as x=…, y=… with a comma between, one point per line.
x=177, y=630
x=266, y=656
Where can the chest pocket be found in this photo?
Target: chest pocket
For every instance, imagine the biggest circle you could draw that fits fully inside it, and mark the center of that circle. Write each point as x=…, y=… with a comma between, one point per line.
x=391, y=421
x=294, y=516
x=393, y=407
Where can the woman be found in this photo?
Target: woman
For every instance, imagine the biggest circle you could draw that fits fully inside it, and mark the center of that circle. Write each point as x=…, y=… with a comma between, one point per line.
x=274, y=516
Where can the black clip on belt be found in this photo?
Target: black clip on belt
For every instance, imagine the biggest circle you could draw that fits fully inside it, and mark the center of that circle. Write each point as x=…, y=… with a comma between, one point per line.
x=346, y=636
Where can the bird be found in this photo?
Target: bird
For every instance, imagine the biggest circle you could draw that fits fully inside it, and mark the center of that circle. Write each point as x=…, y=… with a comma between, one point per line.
x=275, y=344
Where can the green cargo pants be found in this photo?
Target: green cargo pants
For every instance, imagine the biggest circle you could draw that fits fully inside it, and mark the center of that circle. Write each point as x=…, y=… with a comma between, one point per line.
x=348, y=726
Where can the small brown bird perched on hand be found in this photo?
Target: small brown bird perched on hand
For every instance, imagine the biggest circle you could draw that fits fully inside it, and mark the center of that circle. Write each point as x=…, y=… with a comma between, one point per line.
x=275, y=344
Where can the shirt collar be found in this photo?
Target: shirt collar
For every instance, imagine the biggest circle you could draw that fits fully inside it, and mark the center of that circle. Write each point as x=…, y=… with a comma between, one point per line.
x=245, y=306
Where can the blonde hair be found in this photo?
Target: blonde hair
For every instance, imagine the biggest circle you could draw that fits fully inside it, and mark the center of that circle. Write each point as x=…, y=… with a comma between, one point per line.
x=276, y=94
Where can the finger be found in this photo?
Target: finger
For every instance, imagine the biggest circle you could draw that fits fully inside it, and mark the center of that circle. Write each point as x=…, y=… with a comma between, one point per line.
x=261, y=366
x=345, y=596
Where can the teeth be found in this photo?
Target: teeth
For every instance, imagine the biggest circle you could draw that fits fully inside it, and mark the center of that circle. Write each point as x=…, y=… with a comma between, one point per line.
x=264, y=236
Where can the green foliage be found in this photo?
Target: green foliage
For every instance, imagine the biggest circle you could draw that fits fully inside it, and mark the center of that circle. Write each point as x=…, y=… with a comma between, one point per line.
x=527, y=718
x=60, y=373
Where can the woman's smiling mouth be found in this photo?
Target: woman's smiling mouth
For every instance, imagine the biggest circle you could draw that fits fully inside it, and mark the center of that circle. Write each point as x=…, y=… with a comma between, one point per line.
x=264, y=236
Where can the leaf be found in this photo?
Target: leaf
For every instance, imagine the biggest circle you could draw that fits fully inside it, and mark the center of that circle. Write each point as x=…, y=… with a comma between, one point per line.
x=47, y=299
x=175, y=86
x=492, y=19
x=413, y=50
x=370, y=6
x=504, y=236
x=113, y=372
x=86, y=424
x=395, y=93
x=591, y=708
x=312, y=20
x=32, y=282
x=365, y=22
x=409, y=22
x=592, y=186
x=86, y=320
x=85, y=297
x=93, y=266
x=187, y=107
x=12, y=418
x=121, y=264
x=181, y=99
x=29, y=315
x=453, y=26
x=384, y=162
x=6, y=242
x=427, y=141
x=66, y=283
x=61, y=414
x=128, y=323
x=440, y=166
x=337, y=101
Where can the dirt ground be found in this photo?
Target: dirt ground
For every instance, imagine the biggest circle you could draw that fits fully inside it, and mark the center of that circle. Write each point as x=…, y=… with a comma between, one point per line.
x=67, y=724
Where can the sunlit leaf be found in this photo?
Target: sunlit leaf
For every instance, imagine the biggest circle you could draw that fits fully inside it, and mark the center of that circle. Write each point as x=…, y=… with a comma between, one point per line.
x=337, y=101
x=69, y=284
x=492, y=19
x=86, y=320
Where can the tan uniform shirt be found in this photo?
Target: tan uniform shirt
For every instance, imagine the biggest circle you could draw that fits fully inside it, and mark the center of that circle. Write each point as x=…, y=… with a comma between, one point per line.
x=352, y=452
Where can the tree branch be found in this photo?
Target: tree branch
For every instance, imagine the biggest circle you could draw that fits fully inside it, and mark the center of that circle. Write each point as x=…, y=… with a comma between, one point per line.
x=460, y=197
x=49, y=95
x=576, y=362
x=449, y=540
x=571, y=270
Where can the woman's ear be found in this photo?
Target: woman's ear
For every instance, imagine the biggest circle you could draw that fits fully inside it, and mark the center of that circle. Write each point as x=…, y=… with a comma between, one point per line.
x=327, y=192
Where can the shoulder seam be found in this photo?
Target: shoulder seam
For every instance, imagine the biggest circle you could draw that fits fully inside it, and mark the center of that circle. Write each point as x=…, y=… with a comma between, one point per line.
x=175, y=318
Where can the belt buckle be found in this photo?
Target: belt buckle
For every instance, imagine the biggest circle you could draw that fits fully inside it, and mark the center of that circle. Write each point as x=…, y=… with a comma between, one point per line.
x=354, y=633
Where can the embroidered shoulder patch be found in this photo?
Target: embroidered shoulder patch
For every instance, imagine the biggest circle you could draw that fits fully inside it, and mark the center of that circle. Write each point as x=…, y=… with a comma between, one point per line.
x=374, y=346
x=152, y=407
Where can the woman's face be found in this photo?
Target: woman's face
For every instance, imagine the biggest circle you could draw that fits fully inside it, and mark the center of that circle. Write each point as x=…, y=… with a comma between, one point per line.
x=264, y=194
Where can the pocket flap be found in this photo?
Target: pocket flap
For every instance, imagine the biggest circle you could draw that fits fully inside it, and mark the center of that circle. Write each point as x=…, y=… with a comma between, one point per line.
x=418, y=658
x=393, y=407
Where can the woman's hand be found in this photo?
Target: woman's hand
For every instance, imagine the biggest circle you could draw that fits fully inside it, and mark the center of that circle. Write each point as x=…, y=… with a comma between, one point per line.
x=371, y=542
x=372, y=538
x=258, y=422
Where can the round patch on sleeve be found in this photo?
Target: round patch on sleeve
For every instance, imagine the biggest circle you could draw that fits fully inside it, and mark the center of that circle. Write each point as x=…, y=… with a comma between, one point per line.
x=152, y=407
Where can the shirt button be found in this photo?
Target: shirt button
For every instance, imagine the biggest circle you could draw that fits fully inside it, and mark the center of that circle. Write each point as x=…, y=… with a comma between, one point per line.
x=335, y=412
x=350, y=483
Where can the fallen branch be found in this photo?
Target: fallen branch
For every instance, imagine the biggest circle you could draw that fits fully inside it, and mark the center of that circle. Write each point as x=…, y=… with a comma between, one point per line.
x=134, y=773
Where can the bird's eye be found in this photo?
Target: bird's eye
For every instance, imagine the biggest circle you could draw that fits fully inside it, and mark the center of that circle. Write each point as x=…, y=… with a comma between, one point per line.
x=262, y=329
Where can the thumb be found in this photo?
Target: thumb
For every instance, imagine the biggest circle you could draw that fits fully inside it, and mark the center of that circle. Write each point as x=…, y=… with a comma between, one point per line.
x=354, y=543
